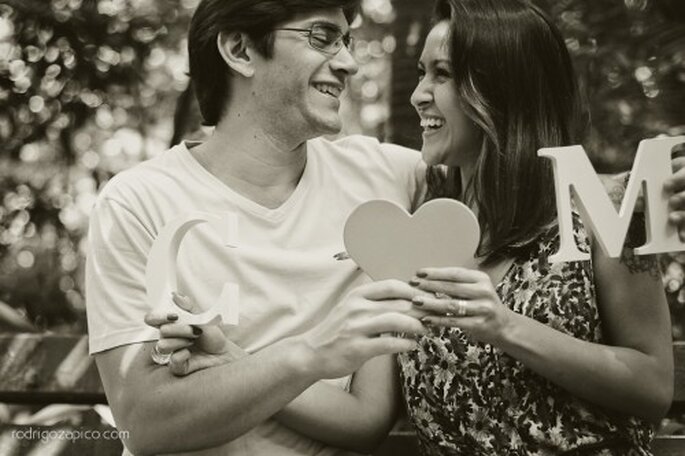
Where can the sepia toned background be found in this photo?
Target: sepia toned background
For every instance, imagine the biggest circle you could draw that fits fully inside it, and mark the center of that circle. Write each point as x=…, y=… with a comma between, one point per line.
x=91, y=87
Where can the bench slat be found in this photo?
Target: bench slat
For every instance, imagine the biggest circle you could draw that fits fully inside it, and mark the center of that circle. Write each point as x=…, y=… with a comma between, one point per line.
x=669, y=445
x=679, y=360
x=38, y=368
x=398, y=444
x=46, y=367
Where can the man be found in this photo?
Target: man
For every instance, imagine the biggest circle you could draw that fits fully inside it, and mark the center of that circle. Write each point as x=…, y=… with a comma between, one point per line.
x=268, y=74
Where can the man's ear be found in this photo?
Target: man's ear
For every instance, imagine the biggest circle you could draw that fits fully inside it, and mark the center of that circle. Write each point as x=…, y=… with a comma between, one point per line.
x=235, y=49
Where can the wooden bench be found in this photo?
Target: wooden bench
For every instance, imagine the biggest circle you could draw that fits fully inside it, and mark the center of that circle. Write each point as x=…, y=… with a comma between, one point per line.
x=37, y=370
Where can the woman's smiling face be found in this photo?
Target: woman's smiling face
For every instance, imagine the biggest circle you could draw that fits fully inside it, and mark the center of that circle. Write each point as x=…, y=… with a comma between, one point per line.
x=449, y=136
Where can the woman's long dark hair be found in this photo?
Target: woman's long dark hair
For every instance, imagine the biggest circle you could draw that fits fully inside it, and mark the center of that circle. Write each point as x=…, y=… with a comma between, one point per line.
x=515, y=81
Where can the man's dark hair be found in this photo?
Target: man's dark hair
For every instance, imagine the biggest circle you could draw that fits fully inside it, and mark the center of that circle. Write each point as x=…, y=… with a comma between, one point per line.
x=257, y=19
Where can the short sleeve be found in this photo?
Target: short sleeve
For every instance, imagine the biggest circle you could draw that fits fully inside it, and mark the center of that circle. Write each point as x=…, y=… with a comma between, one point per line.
x=409, y=168
x=118, y=245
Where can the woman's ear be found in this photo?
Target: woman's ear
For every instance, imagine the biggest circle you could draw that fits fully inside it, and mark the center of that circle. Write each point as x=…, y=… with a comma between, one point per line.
x=234, y=49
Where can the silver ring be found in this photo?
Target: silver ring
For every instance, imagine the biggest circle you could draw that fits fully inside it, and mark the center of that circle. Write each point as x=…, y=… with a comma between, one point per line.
x=158, y=357
x=461, y=308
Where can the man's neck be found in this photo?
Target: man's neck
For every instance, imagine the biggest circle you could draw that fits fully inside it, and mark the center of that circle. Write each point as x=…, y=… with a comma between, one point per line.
x=250, y=161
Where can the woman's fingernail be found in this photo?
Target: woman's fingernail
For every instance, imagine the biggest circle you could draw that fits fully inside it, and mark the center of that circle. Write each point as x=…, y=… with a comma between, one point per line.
x=426, y=321
x=172, y=317
x=421, y=274
x=414, y=282
x=417, y=301
x=197, y=331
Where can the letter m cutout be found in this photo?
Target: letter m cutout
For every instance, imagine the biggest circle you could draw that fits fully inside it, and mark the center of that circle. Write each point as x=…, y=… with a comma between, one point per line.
x=574, y=172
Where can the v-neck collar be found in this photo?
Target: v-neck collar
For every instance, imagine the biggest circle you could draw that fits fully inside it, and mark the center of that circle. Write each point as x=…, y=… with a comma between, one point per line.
x=209, y=179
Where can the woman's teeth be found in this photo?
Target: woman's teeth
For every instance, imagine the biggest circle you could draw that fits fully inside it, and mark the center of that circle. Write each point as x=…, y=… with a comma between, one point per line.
x=432, y=123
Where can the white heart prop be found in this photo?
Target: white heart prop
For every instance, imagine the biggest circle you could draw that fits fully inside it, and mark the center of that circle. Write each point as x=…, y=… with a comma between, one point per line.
x=160, y=272
x=388, y=243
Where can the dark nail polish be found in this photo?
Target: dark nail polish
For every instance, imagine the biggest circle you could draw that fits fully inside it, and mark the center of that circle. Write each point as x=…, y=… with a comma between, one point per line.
x=172, y=317
x=417, y=301
x=197, y=331
x=414, y=282
x=421, y=274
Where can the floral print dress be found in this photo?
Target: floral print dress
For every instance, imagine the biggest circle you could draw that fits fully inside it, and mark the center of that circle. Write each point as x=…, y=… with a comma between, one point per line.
x=469, y=398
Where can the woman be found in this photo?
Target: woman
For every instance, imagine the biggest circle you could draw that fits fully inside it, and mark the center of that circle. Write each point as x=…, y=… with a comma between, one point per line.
x=535, y=358
x=525, y=357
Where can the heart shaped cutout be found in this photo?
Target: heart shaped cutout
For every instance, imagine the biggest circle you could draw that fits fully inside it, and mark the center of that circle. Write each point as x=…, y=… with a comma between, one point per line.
x=389, y=243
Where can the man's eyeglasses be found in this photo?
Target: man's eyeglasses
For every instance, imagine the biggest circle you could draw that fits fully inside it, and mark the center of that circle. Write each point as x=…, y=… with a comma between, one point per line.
x=325, y=38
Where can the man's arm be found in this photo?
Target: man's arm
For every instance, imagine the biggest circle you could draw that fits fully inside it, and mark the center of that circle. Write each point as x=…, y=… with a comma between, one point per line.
x=164, y=413
x=168, y=414
x=358, y=420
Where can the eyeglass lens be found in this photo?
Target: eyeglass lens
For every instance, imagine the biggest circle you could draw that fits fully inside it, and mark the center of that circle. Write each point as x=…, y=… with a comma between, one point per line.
x=328, y=39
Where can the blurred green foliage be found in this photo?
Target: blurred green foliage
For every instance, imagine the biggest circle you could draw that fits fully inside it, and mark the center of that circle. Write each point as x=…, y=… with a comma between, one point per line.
x=91, y=87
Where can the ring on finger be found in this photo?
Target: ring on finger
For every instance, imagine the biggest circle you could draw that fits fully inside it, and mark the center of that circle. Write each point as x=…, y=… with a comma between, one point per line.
x=461, y=308
x=158, y=357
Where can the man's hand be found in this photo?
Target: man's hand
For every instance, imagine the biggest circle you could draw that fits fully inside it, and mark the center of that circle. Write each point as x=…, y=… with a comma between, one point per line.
x=348, y=337
x=358, y=328
x=676, y=187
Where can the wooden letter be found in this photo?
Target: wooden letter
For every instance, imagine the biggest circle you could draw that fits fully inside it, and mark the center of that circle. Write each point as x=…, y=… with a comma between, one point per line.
x=160, y=272
x=573, y=171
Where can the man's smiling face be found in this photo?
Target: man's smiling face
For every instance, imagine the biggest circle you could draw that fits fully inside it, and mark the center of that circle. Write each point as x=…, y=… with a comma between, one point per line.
x=300, y=86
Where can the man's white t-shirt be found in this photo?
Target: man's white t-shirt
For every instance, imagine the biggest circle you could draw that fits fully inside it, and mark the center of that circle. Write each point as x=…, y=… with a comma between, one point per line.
x=283, y=264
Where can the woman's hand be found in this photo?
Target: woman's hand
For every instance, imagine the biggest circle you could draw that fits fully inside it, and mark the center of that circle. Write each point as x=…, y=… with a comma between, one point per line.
x=464, y=298
x=192, y=348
